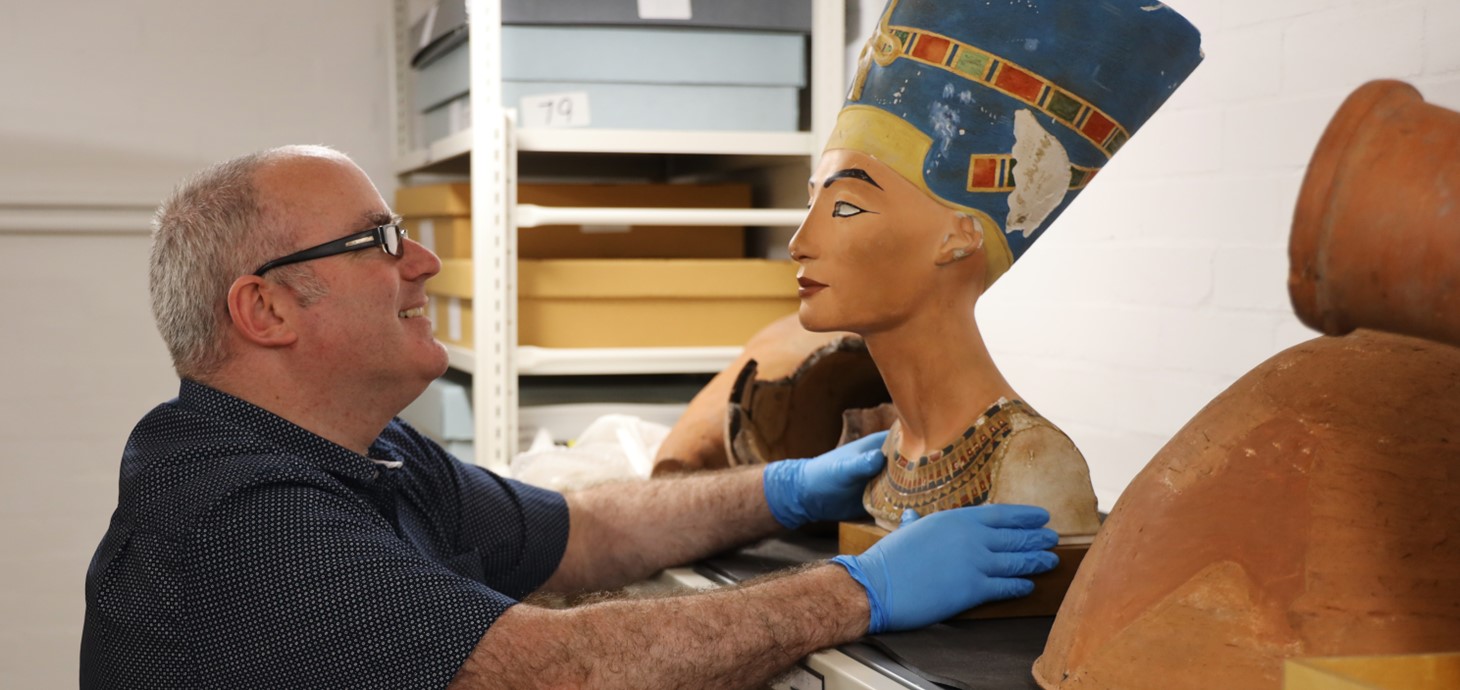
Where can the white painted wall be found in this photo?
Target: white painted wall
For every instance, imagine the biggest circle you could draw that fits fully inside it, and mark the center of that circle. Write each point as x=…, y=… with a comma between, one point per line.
x=1167, y=279
x=104, y=105
x=1155, y=291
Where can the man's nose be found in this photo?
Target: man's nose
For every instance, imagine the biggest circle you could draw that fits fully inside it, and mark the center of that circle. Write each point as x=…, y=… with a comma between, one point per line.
x=418, y=262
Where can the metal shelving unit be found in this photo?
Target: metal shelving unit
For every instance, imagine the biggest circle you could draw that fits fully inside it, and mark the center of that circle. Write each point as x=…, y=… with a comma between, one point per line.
x=489, y=152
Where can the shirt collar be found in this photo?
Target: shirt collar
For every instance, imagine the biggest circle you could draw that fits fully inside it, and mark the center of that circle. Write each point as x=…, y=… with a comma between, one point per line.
x=288, y=436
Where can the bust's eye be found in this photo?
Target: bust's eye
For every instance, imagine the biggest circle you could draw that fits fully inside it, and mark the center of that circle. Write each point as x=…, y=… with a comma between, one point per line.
x=843, y=209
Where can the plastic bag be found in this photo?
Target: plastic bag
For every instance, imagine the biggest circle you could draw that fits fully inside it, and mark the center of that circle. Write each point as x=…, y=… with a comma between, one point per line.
x=613, y=447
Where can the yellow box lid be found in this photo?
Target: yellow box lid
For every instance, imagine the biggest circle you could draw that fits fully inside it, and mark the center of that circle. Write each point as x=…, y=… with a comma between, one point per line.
x=656, y=278
x=633, y=278
x=434, y=200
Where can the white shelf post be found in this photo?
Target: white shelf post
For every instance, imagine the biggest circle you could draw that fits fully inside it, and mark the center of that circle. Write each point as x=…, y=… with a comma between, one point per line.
x=494, y=272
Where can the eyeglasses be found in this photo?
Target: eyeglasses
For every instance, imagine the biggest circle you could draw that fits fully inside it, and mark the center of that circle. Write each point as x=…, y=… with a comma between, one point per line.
x=390, y=238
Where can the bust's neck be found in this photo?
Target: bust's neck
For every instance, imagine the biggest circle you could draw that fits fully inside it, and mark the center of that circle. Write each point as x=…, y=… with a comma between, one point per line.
x=940, y=376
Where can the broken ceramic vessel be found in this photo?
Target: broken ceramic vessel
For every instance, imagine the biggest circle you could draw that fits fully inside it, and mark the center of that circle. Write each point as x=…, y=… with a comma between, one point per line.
x=1376, y=236
x=1309, y=510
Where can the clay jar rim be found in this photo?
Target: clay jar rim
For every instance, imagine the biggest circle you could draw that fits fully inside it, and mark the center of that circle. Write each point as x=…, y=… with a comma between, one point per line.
x=1312, y=221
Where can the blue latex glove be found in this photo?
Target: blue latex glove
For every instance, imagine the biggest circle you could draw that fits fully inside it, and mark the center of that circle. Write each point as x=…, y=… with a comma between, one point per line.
x=933, y=568
x=827, y=487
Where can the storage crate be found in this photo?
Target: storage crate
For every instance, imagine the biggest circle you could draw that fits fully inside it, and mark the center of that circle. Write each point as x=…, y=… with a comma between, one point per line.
x=767, y=15
x=439, y=217
x=580, y=303
x=1392, y=672
x=636, y=77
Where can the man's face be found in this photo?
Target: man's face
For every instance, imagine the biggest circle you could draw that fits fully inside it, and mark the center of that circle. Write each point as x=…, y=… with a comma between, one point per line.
x=370, y=328
x=868, y=246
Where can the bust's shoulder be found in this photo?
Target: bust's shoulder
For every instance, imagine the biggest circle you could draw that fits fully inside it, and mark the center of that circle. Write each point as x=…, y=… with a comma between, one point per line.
x=1031, y=432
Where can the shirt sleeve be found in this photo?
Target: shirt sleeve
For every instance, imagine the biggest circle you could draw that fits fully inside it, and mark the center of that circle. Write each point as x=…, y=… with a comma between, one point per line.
x=493, y=506
x=517, y=531
x=295, y=582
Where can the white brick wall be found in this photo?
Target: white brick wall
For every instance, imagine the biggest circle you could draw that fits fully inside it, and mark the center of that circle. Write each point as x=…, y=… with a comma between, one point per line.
x=1167, y=280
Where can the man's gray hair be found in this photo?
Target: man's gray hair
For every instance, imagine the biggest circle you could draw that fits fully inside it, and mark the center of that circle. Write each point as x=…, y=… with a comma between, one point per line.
x=211, y=230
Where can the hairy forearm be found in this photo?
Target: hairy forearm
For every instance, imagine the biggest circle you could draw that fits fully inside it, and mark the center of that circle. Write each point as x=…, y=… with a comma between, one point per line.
x=732, y=638
x=621, y=533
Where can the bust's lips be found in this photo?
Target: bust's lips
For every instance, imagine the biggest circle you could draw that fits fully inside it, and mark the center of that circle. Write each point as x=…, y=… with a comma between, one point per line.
x=809, y=287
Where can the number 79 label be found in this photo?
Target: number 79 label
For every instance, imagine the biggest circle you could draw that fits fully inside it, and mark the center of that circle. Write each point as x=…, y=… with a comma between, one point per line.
x=568, y=109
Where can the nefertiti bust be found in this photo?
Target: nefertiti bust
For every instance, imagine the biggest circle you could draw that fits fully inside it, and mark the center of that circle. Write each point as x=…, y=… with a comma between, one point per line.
x=969, y=127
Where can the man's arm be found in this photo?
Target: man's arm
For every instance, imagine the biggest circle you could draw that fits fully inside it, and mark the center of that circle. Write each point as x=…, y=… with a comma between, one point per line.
x=926, y=571
x=621, y=533
x=624, y=532
x=732, y=638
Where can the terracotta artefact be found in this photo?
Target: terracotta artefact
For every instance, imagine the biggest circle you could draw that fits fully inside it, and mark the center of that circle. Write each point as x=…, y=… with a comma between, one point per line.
x=834, y=396
x=1311, y=509
x=698, y=440
x=1376, y=237
x=969, y=127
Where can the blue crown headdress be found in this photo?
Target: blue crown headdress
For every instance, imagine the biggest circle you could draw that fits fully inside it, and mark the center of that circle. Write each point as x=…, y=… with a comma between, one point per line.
x=1008, y=108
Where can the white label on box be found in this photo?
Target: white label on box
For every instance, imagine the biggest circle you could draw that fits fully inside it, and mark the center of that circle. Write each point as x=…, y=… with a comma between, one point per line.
x=453, y=319
x=664, y=9
x=426, y=233
x=568, y=109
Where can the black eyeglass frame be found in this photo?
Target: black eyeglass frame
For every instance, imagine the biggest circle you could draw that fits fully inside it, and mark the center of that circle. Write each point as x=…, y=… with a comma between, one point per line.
x=365, y=239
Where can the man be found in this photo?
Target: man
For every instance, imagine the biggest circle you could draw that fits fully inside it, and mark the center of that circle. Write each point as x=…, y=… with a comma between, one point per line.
x=277, y=527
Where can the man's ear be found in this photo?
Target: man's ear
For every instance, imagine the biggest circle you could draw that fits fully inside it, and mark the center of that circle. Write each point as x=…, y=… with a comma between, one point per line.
x=261, y=311
x=963, y=239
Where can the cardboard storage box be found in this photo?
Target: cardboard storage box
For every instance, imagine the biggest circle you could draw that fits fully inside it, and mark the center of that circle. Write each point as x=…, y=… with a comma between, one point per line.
x=445, y=120
x=444, y=26
x=450, y=292
x=442, y=412
x=694, y=107
x=1396, y=672
x=640, y=77
x=448, y=236
x=572, y=303
x=770, y=15
x=642, y=242
x=432, y=200
x=439, y=216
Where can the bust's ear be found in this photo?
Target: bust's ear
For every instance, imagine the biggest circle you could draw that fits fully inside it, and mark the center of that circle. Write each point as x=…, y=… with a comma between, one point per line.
x=963, y=239
x=261, y=311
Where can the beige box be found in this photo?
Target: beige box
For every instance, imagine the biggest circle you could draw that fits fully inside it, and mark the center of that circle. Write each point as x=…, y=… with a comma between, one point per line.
x=433, y=200
x=448, y=236
x=451, y=319
x=1395, y=672
x=663, y=242
x=573, y=303
x=446, y=211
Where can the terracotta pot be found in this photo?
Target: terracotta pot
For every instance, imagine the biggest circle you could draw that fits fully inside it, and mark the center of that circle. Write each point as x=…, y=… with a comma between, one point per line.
x=1309, y=510
x=698, y=440
x=1376, y=237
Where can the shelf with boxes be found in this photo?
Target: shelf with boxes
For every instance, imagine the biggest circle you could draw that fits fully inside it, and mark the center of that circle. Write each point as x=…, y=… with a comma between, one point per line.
x=591, y=240
x=608, y=288
x=705, y=66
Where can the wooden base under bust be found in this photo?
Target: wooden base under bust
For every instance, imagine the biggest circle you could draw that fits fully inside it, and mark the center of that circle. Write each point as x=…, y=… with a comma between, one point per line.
x=1049, y=588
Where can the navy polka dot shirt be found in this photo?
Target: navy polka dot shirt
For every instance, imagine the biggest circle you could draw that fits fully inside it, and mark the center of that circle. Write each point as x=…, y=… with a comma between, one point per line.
x=246, y=552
